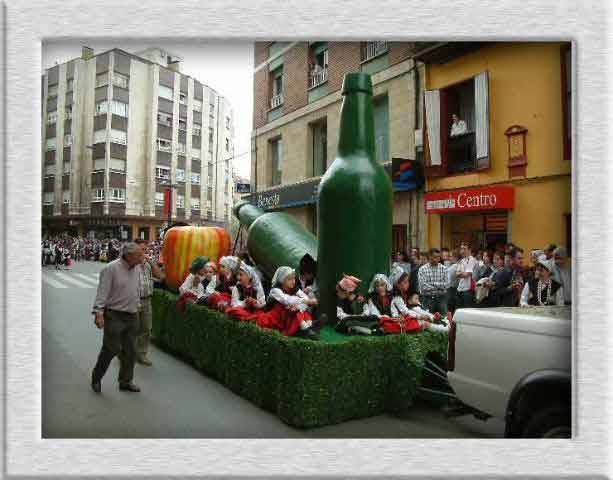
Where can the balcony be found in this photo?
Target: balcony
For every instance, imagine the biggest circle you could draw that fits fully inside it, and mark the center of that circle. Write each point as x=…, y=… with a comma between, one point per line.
x=276, y=100
x=373, y=49
x=318, y=77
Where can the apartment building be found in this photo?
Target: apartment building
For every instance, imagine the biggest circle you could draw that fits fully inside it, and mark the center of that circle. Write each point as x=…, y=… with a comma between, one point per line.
x=297, y=102
x=118, y=129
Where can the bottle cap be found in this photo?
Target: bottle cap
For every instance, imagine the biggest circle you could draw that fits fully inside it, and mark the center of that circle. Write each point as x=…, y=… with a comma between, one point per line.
x=357, y=82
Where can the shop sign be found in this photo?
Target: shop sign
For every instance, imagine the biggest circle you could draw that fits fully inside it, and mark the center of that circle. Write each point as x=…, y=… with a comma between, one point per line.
x=486, y=198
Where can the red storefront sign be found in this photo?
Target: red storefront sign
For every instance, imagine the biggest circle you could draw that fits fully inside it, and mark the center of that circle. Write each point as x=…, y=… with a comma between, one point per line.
x=474, y=199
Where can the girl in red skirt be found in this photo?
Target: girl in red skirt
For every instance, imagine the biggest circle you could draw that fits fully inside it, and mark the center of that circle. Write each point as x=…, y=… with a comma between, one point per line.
x=247, y=295
x=287, y=307
x=226, y=279
x=407, y=316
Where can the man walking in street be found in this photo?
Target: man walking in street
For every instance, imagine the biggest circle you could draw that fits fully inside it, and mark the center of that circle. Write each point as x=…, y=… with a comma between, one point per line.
x=148, y=270
x=433, y=284
x=115, y=311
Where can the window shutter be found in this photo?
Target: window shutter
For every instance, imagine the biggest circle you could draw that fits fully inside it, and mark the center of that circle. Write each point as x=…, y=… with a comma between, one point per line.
x=433, y=119
x=482, y=120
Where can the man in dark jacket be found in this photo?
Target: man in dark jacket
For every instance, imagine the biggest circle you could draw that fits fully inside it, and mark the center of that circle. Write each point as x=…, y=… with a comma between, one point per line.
x=508, y=283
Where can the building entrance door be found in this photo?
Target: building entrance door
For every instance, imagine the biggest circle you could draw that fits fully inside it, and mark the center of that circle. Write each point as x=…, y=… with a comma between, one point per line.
x=399, y=238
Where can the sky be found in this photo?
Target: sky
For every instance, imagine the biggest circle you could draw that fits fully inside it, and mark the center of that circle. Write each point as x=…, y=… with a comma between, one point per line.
x=227, y=67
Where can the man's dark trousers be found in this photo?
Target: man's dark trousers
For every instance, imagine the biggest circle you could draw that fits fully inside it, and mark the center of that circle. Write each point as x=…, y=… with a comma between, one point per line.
x=120, y=329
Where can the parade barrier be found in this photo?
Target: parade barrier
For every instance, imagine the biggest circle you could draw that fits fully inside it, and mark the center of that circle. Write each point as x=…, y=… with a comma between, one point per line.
x=305, y=383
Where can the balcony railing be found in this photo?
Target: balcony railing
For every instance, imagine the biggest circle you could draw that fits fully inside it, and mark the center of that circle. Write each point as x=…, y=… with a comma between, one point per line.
x=318, y=77
x=276, y=100
x=373, y=49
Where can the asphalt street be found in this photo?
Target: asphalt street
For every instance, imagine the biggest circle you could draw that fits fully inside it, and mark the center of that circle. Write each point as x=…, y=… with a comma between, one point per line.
x=177, y=401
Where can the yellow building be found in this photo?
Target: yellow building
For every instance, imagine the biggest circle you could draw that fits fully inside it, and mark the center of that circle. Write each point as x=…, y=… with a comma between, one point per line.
x=502, y=173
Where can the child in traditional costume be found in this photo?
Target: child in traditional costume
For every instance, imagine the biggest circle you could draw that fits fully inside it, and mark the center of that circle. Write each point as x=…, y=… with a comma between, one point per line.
x=221, y=298
x=247, y=295
x=348, y=303
x=308, y=274
x=287, y=307
x=191, y=289
x=379, y=297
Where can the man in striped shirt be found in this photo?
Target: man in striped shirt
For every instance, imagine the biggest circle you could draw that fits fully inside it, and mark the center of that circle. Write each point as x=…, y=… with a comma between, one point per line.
x=433, y=283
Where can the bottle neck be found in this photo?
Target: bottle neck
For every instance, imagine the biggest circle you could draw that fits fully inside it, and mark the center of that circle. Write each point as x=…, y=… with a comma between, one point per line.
x=357, y=126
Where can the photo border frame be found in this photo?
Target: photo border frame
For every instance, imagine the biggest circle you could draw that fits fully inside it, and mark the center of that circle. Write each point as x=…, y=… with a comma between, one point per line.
x=28, y=24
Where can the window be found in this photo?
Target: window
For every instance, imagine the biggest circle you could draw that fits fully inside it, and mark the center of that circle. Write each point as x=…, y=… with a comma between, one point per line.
x=210, y=172
x=99, y=164
x=196, y=178
x=165, y=92
x=165, y=119
x=119, y=108
x=318, y=72
x=228, y=123
x=51, y=117
x=373, y=49
x=276, y=154
x=159, y=199
x=180, y=147
x=566, y=58
x=209, y=193
x=457, y=125
x=182, y=124
x=227, y=144
x=67, y=140
x=182, y=98
x=381, y=112
x=51, y=144
x=319, y=134
x=197, y=105
x=52, y=91
x=66, y=168
x=100, y=136
x=48, y=198
x=102, y=79
x=180, y=201
x=212, y=99
x=66, y=197
x=196, y=153
x=98, y=195
x=49, y=170
x=118, y=195
x=70, y=85
x=164, y=145
x=102, y=107
x=211, y=139
x=276, y=99
x=180, y=175
x=196, y=130
x=195, y=203
x=68, y=112
x=120, y=80
x=118, y=164
x=162, y=173
x=119, y=136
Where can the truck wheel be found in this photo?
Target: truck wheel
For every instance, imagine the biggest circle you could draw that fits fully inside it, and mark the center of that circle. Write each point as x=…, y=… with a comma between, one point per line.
x=551, y=422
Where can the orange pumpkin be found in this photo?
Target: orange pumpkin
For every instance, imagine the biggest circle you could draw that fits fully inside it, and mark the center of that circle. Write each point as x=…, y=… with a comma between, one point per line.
x=183, y=244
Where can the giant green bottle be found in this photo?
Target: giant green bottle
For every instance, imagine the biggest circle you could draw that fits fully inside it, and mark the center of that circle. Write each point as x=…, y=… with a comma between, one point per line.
x=355, y=201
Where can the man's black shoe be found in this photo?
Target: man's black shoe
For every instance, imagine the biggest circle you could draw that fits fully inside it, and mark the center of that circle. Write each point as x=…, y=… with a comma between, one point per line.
x=96, y=385
x=129, y=387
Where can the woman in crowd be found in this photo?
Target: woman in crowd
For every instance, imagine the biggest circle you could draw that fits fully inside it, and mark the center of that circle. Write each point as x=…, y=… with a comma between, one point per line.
x=562, y=268
x=486, y=282
x=247, y=295
x=222, y=296
x=542, y=290
x=287, y=307
x=402, y=260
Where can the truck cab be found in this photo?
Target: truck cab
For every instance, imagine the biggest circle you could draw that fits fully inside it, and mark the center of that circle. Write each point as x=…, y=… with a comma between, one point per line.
x=514, y=363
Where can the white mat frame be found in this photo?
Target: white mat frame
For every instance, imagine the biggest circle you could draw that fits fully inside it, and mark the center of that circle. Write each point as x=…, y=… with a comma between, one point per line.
x=29, y=22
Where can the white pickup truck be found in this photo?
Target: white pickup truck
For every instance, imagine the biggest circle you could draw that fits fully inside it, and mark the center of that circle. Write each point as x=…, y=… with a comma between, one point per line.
x=515, y=364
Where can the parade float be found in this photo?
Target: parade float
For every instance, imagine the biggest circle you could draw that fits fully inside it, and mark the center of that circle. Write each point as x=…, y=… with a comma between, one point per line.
x=340, y=377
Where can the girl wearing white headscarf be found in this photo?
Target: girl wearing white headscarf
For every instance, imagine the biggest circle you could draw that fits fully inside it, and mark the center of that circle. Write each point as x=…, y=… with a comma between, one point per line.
x=287, y=307
x=226, y=279
x=379, y=297
x=247, y=295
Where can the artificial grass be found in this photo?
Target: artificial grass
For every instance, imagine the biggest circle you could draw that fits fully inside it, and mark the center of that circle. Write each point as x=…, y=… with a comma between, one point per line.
x=305, y=383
